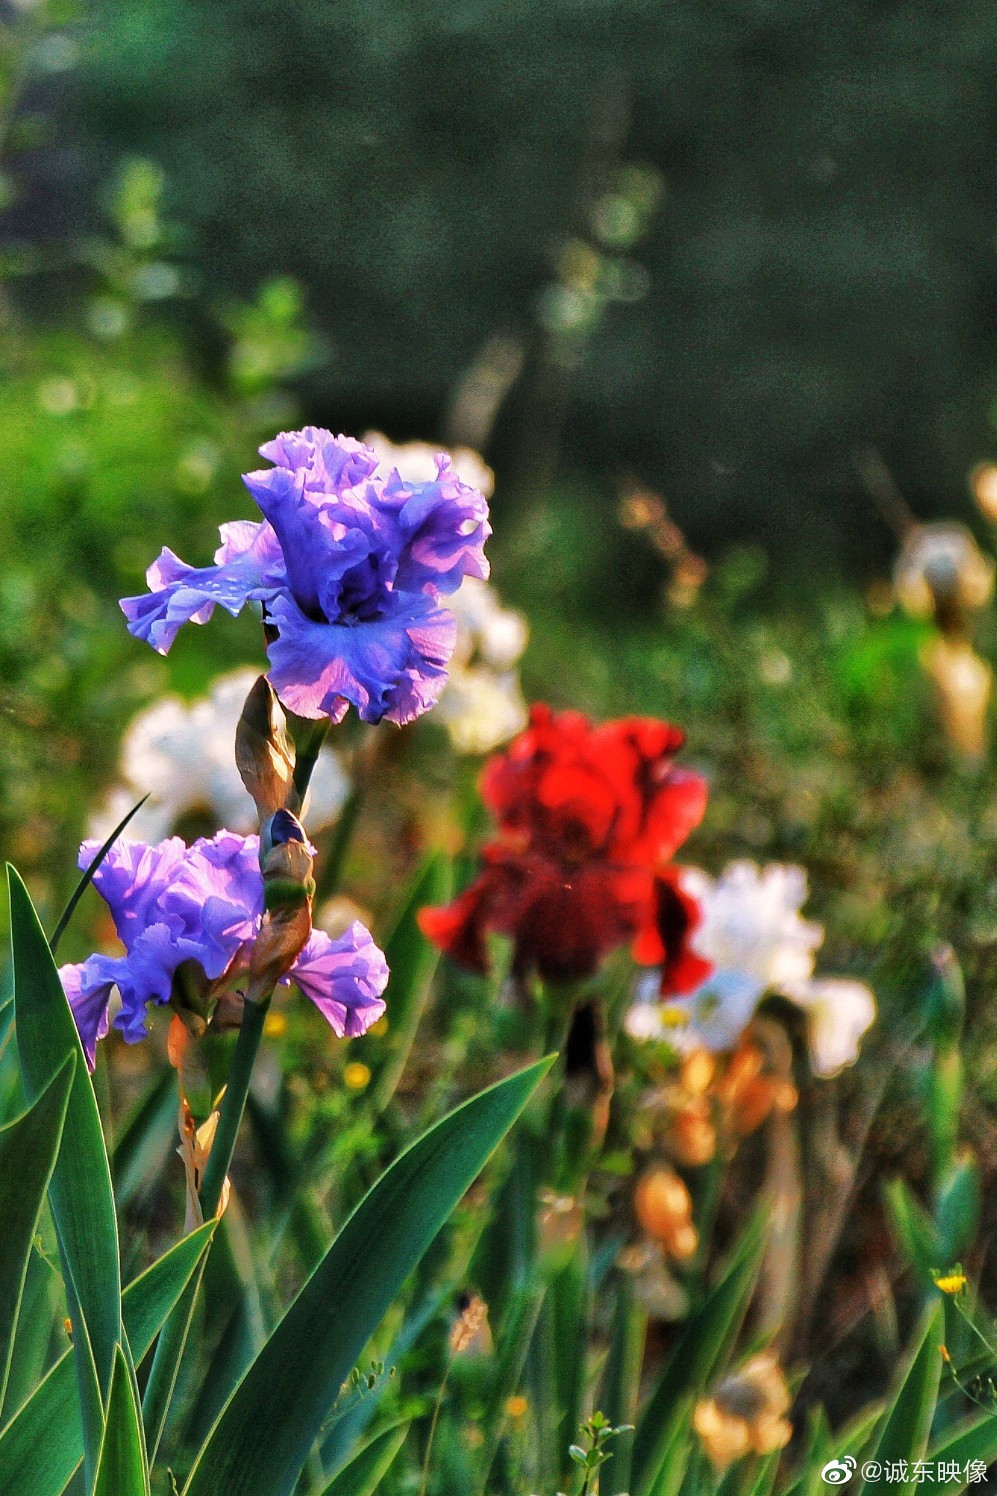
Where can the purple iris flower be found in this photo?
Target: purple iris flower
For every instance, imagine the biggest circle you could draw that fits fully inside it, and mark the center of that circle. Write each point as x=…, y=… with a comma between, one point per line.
x=350, y=565
x=202, y=904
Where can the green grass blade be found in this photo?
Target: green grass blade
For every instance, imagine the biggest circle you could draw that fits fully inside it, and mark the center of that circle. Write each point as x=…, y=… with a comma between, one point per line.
x=80, y=1189
x=621, y=1383
x=818, y=1449
x=518, y=1332
x=366, y=1470
x=42, y=1310
x=147, y=1301
x=28, y=1150
x=42, y=1445
x=915, y=1232
x=265, y=1433
x=412, y=961
x=762, y=1480
x=704, y=1343
x=976, y=1439
x=906, y=1424
x=121, y=1469
x=88, y=877
x=146, y=1141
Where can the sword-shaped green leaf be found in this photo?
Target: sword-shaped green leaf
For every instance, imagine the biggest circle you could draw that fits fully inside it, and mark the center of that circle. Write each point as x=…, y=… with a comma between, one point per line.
x=902, y=1435
x=121, y=1468
x=266, y=1431
x=368, y=1467
x=705, y=1342
x=42, y=1445
x=28, y=1150
x=80, y=1190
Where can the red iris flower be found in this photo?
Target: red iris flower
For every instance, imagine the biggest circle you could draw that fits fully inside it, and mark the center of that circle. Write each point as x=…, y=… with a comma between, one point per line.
x=588, y=821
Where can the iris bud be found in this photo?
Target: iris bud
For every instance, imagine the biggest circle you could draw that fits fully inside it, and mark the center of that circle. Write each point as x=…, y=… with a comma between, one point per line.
x=263, y=754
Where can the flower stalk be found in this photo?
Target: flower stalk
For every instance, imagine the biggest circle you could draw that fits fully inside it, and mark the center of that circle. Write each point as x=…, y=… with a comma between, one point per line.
x=286, y=866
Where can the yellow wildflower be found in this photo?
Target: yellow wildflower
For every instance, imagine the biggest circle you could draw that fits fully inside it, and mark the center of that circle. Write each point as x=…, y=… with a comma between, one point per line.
x=356, y=1075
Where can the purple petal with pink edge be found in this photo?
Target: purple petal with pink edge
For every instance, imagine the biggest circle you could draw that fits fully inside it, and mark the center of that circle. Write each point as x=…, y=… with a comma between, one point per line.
x=344, y=978
x=249, y=566
x=393, y=668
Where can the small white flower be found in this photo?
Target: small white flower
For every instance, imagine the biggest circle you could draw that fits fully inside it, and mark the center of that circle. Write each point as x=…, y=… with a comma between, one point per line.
x=713, y=1017
x=752, y=923
x=183, y=756
x=481, y=709
x=754, y=934
x=717, y=1013
x=838, y=1012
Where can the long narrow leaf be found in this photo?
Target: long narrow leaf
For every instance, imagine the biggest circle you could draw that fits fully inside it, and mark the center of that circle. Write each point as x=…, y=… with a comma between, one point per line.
x=146, y=1140
x=28, y=1150
x=915, y=1231
x=412, y=960
x=621, y=1383
x=80, y=1190
x=42, y=1308
x=518, y=1332
x=972, y=1441
x=265, y=1433
x=903, y=1431
x=706, y=1339
x=366, y=1470
x=42, y=1445
x=121, y=1469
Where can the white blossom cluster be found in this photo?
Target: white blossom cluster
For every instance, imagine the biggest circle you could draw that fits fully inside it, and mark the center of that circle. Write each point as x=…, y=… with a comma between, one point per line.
x=753, y=933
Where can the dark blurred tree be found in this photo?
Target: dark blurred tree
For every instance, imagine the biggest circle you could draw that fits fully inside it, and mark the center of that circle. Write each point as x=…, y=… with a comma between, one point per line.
x=821, y=264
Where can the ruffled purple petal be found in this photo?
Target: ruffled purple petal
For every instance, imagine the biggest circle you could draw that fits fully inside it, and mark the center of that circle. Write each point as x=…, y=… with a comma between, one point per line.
x=330, y=463
x=394, y=667
x=249, y=566
x=443, y=527
x=88, y=986
x=215, y=899
x=171, y=904
x=334, y=553
x=344, y=979
x=151, y=967
x=132, y=878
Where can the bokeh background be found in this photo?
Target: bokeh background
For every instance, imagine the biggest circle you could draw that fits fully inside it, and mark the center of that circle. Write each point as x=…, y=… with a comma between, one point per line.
x=713, y=289
x=725, y=247
x=742, y=259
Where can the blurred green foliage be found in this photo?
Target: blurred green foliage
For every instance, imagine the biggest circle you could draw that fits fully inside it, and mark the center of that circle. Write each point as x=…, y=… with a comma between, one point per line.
x=817, y=271
x=113, y=441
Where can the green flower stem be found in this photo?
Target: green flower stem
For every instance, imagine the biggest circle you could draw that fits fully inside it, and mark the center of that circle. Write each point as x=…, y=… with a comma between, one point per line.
x=330, y=873
x=173, y=1338
x=308, y=739
x=233, y=1104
